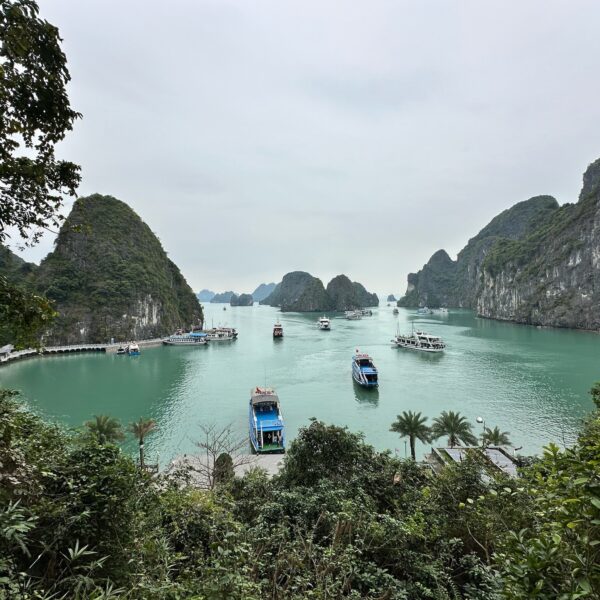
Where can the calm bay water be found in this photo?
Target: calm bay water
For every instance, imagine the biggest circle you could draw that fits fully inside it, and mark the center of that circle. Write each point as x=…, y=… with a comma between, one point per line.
x=531, y=382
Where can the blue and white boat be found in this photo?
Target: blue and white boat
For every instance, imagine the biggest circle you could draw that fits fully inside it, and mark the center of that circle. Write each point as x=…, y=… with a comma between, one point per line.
x=424, y=310
x=133, y=349
x=364, y=371
x=194, y=338
x=267, y=432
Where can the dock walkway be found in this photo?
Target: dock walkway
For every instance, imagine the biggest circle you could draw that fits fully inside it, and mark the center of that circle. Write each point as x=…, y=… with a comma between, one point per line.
x=108, y=348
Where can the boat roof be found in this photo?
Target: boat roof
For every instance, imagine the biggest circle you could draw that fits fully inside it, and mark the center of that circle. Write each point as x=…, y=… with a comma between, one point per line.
x=362, y=355
x=268, y=420
x=258, y=395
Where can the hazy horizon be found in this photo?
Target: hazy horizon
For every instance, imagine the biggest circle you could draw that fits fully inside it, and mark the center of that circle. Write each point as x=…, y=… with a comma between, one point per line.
x=331, y=138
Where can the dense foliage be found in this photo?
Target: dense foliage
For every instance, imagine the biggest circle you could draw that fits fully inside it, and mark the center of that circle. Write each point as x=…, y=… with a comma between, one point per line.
x=79, y=519
x=110, y=277
x=35, y=114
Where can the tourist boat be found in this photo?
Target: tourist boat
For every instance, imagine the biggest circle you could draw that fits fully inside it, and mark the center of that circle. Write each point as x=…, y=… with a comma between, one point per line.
x=121, y=350
x=324, y=323
x=424, y=311
x=395, y=311
x=194, y=338
x=366, y=312
x=133, y=349
x=277, y=330
x=353, y=315
x=267, y=433
x=419, y=340
x=364, y=371
x=221, y=334
x=443, y=311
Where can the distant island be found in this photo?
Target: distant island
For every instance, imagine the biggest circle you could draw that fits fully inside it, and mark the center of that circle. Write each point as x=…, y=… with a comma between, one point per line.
x=241, y=300
x=299, y=291
x=205, y=295
x=391, y=298
x=535, y=263
x=109, y=277
x=222, y=298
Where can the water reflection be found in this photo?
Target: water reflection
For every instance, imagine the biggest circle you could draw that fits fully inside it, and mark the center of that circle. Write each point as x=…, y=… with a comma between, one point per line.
x=366, y=396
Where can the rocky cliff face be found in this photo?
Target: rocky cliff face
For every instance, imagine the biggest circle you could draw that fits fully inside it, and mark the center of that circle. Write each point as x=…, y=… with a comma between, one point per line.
x=444, y=282
x=299, y=292
x=552, y=276
x=241, y=300
x=111, y=278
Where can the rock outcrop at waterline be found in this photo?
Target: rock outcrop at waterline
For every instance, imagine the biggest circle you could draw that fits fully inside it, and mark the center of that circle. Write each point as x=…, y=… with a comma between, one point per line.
x=110, y=278
x=301, y=292
x=536, y=263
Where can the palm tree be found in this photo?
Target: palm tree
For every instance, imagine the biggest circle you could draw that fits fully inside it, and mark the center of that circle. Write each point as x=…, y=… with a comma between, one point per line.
x=141, y=429
x=495, y=437
x=455, y=426
x=412, y=425
x=105, y=429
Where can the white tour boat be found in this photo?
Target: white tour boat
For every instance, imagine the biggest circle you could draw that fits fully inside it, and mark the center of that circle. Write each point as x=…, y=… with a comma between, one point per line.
x=353, y=315
x=194, y=338
x=221, y=334
x=324, y=323
x=419, y=340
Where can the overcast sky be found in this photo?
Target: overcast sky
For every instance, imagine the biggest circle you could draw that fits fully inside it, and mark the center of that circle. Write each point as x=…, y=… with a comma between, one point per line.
x=257, y=138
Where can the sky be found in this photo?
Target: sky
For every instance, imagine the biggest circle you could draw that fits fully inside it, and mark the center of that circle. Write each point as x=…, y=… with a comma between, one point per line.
x=257, y=138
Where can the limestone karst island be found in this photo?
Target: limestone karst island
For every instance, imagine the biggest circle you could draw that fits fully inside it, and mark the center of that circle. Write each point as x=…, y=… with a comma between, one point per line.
x=299, y=301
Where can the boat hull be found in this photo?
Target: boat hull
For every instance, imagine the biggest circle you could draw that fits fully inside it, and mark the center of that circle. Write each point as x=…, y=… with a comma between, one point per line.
x=418, y=348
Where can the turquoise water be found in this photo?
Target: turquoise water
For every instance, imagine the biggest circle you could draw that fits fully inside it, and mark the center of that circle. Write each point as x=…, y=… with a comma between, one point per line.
x=531, y=382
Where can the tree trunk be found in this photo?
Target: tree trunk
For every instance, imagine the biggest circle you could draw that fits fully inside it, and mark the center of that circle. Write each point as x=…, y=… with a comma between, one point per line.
x=142, y=453
x=412, y=447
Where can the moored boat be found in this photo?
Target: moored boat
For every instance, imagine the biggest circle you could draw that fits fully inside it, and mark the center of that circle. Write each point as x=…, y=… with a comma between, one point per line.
x=366, y=312
x=419, y=340
x=424, y=310
x=277, y=330
x=364, y=371
x=121, y=350
x=324, y=323
x=194, y=338
x=133, y=349
x=395, y=311
x=221, y=334
x=267, y=431
x=353, y=315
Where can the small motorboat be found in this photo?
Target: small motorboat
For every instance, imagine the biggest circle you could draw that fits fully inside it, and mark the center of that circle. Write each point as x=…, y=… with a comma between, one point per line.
x=424, y=310
x=366, y=312
x=324, y=324
x=278, y=330
x=133, y=349
x=395, y=311
x=122, y=350
x=364, y=371
x=267, y=432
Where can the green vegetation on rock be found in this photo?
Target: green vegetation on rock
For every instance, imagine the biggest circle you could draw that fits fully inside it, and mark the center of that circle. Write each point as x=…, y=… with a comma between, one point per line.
x=241, y=300
x=301, y=292
x=110, y=278
x=444, y=282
